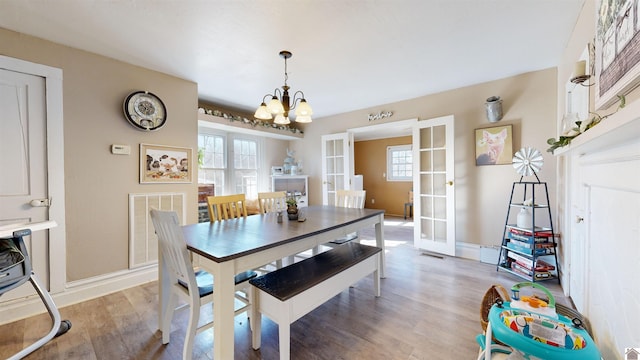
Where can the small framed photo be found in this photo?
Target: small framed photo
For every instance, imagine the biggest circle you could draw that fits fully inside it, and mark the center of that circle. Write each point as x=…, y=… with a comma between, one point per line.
x=165, y=164
x=494, y=145
x=277, y=170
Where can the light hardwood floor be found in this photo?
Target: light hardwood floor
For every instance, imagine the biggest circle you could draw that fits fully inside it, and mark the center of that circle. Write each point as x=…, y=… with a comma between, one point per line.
x=429, y=309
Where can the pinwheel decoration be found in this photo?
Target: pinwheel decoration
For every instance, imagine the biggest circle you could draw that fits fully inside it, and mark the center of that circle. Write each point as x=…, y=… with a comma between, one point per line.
x=528, y=161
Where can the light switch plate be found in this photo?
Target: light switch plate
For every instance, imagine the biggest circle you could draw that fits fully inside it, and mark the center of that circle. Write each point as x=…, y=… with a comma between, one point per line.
x=120, y=149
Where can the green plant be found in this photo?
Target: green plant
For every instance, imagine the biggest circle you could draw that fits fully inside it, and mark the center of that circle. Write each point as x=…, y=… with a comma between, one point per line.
x=581, y=127
x=200, y=157
x=291, y=201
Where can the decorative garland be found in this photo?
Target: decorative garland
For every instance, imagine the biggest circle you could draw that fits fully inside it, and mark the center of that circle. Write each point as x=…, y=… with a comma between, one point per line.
x=582, y=126
x=253, y=122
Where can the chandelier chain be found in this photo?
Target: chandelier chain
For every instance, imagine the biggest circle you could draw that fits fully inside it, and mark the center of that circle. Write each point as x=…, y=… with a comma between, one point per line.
x=286, y=75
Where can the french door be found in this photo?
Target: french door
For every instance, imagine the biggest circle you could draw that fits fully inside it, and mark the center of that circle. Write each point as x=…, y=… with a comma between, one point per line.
x=433, y=186
x=337, y=165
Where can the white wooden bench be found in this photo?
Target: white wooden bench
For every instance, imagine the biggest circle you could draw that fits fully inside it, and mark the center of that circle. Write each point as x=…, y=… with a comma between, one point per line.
x=287, y=294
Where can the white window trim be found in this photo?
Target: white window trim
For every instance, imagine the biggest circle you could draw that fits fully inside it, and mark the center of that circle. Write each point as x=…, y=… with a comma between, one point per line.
x=228, y=143
x=390, y=149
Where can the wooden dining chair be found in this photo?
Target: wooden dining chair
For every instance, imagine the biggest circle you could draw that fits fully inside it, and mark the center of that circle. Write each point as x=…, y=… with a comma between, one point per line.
x=194, y=287
x=224, y=207
x=272, y=201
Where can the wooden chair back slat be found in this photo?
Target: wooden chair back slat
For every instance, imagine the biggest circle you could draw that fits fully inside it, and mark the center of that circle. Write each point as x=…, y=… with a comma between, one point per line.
x=226, y=207
x=272, y=201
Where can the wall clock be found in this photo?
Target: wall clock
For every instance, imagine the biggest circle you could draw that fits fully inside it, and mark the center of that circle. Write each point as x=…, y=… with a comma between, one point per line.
x=145, y=111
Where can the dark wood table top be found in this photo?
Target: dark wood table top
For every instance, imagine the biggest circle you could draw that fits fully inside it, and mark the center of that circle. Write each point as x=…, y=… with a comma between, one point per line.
x=230, y=239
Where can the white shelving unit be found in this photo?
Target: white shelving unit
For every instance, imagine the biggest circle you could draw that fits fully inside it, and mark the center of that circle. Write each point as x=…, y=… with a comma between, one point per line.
x=293, y=185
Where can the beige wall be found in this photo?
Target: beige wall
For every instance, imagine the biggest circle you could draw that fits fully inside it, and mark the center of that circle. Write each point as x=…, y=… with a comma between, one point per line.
x=482, y=193
x=370, y=161
x=97, y=183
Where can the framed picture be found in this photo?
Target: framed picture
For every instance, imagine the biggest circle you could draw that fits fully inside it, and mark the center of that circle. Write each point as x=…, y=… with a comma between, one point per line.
x=165, y=164
x=494, y=145
x=277, y=170
x=617, y=50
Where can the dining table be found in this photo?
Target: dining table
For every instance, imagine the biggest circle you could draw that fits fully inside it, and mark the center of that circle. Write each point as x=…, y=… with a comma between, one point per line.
x=225, y=248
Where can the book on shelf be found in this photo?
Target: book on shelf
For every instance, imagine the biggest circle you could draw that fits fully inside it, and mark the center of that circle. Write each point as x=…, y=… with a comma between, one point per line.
x=523, y=270
x=516, y=235
x=540, y=265
x=538, y=233
x=528, y=245
x=527, y=250
x=528, y=263
x=520, y=270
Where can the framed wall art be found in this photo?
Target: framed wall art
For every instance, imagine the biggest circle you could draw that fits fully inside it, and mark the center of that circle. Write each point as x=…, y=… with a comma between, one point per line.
x=494, y=145
x=165, y=164
x=617, y=50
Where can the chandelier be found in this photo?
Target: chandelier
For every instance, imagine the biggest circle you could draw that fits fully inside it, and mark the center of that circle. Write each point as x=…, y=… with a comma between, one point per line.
x=279, y=105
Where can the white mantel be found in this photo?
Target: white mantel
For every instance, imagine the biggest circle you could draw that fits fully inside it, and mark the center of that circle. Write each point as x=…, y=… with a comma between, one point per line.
x=621, y=127
x=599, y=213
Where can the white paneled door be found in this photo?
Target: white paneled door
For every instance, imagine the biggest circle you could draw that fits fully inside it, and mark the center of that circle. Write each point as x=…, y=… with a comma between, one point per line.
x=23, y=178
x=433, y=186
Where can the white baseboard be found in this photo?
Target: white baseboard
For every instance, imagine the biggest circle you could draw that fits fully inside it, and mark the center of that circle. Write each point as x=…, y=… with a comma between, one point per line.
x=468, y=251
x=78, y=291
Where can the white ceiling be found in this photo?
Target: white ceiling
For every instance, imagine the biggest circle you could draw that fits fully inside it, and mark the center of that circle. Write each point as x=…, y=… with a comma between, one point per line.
x=347, y=54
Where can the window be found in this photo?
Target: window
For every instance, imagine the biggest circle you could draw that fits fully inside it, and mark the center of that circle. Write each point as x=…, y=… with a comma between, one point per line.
x=245, y=164
x=212, y=160
x=399, y=163
x=230, y=161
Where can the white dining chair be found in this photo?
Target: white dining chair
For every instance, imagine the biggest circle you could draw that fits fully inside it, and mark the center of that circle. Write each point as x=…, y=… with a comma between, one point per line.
x=348, y=199
x=270, y=202
x=351, y=198
x=194, y=287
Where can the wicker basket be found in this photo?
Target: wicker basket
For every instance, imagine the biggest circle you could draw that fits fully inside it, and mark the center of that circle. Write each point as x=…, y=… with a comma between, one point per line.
x=494, y=293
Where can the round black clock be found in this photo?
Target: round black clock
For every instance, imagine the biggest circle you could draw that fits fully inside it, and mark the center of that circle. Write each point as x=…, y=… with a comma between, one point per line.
x=145, y=111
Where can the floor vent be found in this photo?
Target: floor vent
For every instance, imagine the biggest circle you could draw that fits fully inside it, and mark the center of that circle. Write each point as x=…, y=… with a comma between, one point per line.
x=433, y=255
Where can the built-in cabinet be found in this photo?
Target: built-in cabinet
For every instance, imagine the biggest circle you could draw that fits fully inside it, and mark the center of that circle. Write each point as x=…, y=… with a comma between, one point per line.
x=293, y=185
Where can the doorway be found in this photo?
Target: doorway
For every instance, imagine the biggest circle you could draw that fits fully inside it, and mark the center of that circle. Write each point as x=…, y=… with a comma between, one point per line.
x=433, y=191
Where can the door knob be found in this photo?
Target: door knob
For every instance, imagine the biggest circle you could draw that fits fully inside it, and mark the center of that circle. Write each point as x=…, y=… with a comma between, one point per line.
x=579, y=219
x=40, y=202
x=450, y=182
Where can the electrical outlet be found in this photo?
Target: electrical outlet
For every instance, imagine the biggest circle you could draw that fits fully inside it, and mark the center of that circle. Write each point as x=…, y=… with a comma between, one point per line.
x=373, y=201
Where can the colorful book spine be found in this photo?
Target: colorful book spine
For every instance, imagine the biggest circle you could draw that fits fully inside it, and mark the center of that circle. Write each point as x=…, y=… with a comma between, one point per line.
x=528, y=263
x=514, y=234
x=515, y=246
x=541, y=233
